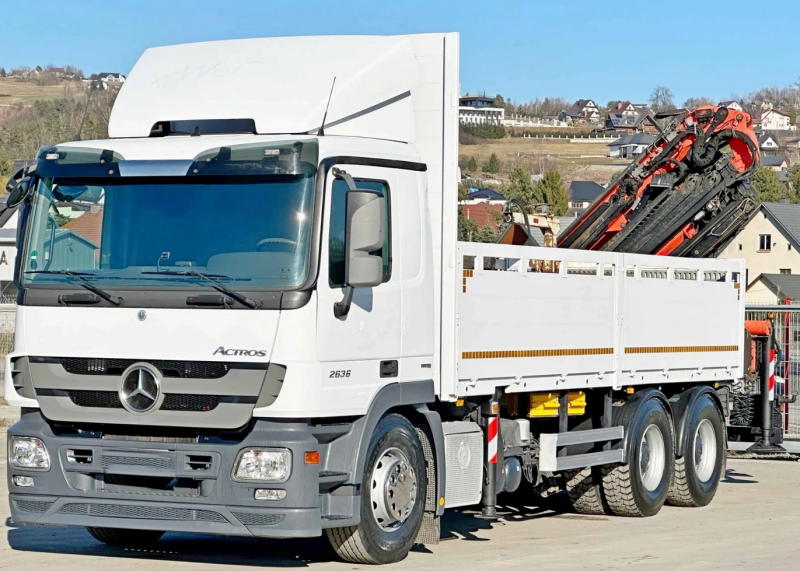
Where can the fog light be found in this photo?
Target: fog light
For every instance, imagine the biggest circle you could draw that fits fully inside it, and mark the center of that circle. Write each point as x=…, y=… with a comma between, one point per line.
x=263, y=465
x=23, y=481
x=262, y=494
x=28, y=452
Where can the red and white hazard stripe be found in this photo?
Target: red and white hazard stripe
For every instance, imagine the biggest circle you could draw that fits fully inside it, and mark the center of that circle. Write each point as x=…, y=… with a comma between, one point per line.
x=772, y=360
x=491, y=439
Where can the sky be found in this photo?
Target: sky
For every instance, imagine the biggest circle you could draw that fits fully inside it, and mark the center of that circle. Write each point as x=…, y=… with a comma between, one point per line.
x=522, y=50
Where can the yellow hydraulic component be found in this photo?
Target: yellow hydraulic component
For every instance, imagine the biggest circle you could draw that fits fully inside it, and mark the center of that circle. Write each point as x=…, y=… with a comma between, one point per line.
x=542, y=405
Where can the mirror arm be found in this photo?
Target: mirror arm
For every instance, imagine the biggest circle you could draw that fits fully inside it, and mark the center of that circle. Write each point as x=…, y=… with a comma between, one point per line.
x=345, y=176
x=342, y=308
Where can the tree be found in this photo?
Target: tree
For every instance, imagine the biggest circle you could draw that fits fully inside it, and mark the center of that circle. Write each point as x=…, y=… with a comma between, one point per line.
x=519, y=185
x=492, y=165
x=661, y=99
x=471, y=231
x=551, y=190
x=794, y=184
x=472, y=164
x=694, y=102
x=767, y=185
x=3, y=72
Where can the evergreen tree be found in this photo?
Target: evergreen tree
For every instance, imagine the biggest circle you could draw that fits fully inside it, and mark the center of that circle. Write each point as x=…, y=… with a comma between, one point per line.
x=767, y=185
x=472, y=164
x=492, y=165
x=519, y=185
x=551, y=190
x=794, y=184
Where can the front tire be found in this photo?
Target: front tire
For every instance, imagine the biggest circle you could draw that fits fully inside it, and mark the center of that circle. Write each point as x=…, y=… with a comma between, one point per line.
x=125, y=537
x=393, y=497
x=639, y=487
x=698, y=471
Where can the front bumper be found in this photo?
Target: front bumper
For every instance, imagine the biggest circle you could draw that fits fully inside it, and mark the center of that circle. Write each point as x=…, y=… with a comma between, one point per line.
x=123, y=483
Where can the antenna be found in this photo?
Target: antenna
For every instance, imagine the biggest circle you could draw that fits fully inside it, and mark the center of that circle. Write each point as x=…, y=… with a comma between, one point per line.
x=321, y=130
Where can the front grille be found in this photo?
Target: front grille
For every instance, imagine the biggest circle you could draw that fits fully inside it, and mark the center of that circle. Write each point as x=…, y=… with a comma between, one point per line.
x=97, y=399
x=142, y=512
x=179, y=369
x=150, y=462
x=190, y=402
x=32, y=506
x=172, y=401
x=254, y=518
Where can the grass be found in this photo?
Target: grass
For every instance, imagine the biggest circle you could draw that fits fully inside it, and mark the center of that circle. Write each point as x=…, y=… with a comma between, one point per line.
x=15, y=92
x=575, y=161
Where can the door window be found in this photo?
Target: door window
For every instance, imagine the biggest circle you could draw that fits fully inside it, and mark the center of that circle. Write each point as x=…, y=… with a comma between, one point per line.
x=337, y=230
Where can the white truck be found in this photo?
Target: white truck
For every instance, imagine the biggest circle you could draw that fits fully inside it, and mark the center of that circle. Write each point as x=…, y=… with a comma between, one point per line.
x=247, y=313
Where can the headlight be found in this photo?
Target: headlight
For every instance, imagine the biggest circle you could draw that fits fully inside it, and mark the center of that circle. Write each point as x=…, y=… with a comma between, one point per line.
x=29, y=453
x=263, y=465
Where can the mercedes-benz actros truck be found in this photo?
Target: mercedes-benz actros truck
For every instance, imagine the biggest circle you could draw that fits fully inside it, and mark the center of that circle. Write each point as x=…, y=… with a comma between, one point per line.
x=246, y=312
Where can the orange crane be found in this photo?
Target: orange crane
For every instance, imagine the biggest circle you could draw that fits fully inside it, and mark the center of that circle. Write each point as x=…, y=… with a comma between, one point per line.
x=687, y=194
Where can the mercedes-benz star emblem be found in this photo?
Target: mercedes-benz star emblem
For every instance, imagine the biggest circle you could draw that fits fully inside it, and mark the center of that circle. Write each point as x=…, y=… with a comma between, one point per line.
x=140, y=389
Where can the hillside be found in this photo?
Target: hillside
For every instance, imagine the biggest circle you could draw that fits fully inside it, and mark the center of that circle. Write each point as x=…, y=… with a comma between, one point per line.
x=15, y=91
x=575, y=161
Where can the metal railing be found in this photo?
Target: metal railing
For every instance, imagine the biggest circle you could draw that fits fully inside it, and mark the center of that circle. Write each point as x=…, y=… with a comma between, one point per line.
x=787, y=334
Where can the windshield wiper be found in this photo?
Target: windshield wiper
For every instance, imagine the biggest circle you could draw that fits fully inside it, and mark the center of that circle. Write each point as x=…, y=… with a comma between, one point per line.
x=220, y=287
x=81, y=281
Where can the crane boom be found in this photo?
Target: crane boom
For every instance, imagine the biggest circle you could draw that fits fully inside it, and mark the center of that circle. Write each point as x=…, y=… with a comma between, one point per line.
x=687, y=194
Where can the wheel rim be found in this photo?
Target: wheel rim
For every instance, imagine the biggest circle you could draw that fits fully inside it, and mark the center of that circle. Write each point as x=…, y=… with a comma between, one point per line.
x=651, y=457
x=393, y=490
x=705, y=450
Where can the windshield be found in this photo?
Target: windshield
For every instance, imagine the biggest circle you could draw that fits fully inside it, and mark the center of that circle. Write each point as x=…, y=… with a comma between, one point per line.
x=248, y=232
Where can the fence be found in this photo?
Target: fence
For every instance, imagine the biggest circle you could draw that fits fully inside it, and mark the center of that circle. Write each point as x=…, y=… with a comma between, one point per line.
x=8, y=312
x=787, y=335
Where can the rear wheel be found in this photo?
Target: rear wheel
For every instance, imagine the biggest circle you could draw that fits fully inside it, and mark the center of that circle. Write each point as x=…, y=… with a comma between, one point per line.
x=125, y=537
x=639, y=487
x=393, y=497
x=584, y=488
x=698, y=471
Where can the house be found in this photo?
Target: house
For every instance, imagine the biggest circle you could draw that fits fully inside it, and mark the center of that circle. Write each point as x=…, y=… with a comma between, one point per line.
x=769, y=242
x=731, y=105
x=582, y=111
x=774, y=120
x=631, y=145
x=626, y=116
x=583, y=192
x=475, y=110
x=774, y=289
x=103, y=81
x=777, y=163
x=484, y=196
x=768, y=142
x=483, y=214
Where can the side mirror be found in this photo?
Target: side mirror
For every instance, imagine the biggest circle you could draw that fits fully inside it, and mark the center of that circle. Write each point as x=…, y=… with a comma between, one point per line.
x=366, y=220
x=18, y=187
x=365, y=228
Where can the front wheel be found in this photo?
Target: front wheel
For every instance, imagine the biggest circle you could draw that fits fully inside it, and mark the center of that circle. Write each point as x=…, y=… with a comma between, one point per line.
x=392, y=499
x=698, y=471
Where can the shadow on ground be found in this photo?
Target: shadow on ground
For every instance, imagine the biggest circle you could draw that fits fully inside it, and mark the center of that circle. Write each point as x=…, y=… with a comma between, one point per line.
x=734, y=477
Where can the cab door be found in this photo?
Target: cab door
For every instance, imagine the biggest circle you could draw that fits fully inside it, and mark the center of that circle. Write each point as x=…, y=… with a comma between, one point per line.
x=358, y=351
